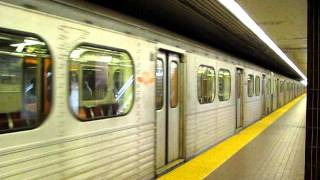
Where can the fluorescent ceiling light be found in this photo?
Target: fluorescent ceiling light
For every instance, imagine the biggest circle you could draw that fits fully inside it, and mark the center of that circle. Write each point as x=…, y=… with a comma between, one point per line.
x=105, y=59
x=75, y=54
x=236, y=10
x=304, y=82
x=27, y=42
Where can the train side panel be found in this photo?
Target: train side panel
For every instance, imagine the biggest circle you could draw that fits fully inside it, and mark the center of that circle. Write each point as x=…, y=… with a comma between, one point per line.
x=200, y=118
x=253, y=100
x=64, y=147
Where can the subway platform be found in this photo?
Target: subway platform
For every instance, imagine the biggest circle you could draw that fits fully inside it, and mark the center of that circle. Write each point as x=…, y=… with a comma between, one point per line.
x=271, y=148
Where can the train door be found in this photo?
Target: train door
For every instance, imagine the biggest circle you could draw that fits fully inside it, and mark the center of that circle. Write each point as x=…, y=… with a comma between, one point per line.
x=168, y=141
x=239, y=99
x=263, y=94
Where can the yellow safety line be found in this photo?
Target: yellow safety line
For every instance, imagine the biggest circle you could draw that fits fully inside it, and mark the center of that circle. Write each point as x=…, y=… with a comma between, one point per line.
x=201, y=166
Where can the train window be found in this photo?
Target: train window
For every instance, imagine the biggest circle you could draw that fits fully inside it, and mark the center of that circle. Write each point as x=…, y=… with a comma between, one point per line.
x=206, y=84
x=224, y=80
x=257, y=86
x=275, y=87
x=293, y=87
x=159, y=84
x=289, y=87
x=100, y=82
x=281, y=86
x=268, y=85
x=250, y=85
x=174, y=84
x=25, y=82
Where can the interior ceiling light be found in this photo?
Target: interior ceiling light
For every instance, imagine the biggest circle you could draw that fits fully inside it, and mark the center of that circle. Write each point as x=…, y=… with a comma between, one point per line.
x=27, y=42
x=240, y=14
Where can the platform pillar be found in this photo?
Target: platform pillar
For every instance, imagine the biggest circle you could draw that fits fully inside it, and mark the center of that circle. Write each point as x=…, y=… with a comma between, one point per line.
x=312, y=153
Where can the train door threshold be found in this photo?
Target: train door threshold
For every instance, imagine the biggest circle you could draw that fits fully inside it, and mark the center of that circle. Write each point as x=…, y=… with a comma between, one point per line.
x=169, y=167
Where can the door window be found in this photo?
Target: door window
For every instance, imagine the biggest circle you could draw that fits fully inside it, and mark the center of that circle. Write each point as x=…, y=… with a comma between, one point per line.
x=250, y=85
x=174, y=84
x=275, y=87
x=257, y=86
x=268, y=85
x=159, y=84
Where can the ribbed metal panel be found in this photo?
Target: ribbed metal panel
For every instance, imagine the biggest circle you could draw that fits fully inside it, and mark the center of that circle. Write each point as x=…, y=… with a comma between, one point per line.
x=126, y=154
x=253, y=111
x=207, y=124
x=312, y=166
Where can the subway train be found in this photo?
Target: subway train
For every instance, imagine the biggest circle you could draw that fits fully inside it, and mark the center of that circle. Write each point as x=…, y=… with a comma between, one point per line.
x=87, y=93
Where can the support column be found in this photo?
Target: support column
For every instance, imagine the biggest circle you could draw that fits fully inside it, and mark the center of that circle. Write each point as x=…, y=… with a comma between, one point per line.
x=312, y=153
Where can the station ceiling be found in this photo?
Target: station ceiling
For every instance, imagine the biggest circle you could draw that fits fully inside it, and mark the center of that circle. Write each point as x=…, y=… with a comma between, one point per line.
x=285, y=22
x=210, y=23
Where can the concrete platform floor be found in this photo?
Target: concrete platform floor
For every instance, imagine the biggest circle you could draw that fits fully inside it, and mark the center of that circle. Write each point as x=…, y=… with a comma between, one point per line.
x=277, y=153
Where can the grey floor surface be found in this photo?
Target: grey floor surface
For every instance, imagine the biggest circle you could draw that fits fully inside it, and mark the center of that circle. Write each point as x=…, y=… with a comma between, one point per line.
x=277, y=153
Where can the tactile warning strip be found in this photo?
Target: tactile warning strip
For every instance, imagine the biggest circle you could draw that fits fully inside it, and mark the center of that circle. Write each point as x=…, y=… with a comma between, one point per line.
x=202, y=165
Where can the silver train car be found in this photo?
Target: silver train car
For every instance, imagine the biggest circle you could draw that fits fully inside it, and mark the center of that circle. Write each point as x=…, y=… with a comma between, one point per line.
x=91, y=94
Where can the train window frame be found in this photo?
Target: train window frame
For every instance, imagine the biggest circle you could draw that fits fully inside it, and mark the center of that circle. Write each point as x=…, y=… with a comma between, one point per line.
x=43, y=116
x=102, y=47
x=250, y=86
x=257, y=90
x=214, y=88
x=230, y=84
